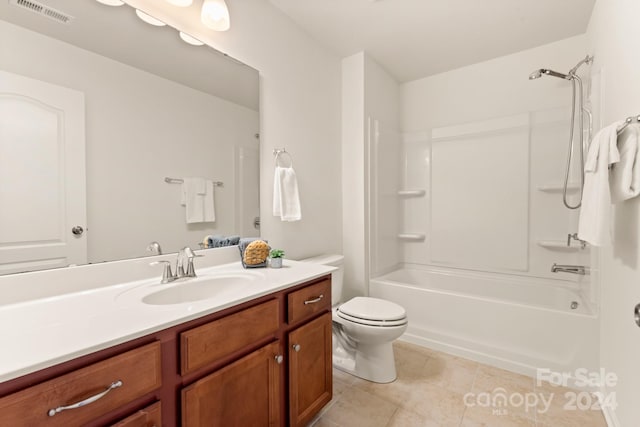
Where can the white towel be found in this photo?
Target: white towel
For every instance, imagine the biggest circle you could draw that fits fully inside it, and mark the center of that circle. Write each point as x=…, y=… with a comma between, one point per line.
x=625, y=176
x=595, y=213
x=197, y=198
x=286, y=200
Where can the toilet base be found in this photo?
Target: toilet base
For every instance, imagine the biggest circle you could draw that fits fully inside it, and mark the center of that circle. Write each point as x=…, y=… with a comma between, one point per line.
x=375, y=363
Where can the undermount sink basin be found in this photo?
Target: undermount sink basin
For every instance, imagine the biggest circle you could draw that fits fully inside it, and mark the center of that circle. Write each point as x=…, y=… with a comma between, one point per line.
x=202, y=288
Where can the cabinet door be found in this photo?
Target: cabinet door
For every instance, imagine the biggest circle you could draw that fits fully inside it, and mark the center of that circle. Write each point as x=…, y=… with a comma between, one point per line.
x=310, y=370
x=151, y=416
x=245, y=393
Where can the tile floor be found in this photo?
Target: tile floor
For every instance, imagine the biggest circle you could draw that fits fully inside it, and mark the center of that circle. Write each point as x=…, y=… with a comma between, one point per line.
x=430, y=391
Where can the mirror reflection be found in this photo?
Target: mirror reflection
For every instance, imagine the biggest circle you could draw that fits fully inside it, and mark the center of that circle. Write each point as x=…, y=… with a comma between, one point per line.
x=115, y=134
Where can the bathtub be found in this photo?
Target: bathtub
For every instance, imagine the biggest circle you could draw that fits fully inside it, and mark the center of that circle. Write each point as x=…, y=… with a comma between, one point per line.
x=511, y=322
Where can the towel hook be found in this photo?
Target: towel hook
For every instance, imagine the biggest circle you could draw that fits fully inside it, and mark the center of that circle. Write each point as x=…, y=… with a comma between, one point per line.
x=277, y=152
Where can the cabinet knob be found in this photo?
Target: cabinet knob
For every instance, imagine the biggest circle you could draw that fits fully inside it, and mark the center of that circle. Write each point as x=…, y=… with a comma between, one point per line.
x=296, y=347
x=279, y=359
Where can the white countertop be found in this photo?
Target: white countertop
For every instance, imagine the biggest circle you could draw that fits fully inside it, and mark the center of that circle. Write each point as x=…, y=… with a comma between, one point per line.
x=47, y=331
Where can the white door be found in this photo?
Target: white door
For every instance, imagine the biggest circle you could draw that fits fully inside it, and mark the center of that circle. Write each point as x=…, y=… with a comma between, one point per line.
x=248, y=194
x=42, y=175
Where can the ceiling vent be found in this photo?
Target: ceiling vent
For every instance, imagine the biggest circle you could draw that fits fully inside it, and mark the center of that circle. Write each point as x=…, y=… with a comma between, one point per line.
x=43, y=10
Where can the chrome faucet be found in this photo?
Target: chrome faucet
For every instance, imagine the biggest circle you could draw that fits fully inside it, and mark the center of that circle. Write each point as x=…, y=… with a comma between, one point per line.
x=155, y=248
x=167, y=274
x=575, y=237
x=185, y=254
x=574, y=269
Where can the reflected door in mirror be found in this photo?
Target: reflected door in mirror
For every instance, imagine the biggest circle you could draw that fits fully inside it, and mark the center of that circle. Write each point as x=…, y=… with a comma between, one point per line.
x=42, y=175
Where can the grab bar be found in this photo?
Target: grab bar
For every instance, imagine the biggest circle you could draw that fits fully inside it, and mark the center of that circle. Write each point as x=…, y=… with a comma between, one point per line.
x=574, y=269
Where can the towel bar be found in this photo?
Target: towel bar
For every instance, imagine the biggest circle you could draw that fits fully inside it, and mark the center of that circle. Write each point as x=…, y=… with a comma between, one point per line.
x=180, y=181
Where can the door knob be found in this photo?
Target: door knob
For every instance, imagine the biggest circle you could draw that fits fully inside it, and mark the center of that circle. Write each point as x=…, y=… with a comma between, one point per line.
x=77, y=230
x=296, y=347
x=279, y=359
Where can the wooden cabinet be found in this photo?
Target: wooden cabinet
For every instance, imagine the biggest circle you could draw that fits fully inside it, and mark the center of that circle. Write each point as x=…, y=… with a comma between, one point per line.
x=310, y=369
x=205, y=344
x=264, y=362
x=244, y=393
x=308, y=301
x=113, y=383
x=151, y=416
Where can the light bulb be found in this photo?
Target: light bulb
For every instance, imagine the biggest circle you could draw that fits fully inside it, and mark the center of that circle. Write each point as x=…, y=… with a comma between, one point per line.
x=215, y=15
x=191, y=40
x=180, y=3
x=111, y=2
x=149, y=19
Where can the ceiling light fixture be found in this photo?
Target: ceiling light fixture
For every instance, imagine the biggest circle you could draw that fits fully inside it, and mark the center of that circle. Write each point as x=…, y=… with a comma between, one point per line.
x=215, y=15
x=180, y=3
x=191, y=40
x=111, y=2
x=149, y=19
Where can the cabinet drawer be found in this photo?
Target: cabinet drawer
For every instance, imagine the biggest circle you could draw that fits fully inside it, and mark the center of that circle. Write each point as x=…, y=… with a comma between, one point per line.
x=207, y=343
x=308, y=301
x=151, y=416
x=138, y=370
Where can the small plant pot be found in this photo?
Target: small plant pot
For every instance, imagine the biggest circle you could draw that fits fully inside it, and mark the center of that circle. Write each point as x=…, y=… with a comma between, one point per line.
x=276, y=262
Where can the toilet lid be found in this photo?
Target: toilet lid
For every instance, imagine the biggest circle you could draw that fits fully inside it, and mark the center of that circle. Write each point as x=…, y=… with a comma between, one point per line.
x=372, y=309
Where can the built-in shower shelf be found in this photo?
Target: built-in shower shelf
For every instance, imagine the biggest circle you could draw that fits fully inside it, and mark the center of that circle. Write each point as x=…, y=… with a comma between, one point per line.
x=411, y=193
x=560, y=245
x=558, y=188
x=411, y=237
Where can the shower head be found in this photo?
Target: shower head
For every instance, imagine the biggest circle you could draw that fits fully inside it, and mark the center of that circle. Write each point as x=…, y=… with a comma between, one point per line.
x=542, y=71
x=535, y=75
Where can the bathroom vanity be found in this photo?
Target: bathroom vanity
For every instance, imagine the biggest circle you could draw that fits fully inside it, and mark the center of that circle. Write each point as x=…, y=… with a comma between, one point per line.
x=257, y=356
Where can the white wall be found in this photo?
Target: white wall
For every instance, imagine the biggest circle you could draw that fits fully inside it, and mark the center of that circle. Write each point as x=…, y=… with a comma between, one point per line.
x=612, y=31
x=299, y=110
x=476, y=105
x=370, y=121
x=139, y=129
x=495, y=88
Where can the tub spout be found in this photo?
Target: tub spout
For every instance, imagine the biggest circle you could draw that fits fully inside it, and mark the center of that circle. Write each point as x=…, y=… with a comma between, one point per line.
x=574, y=269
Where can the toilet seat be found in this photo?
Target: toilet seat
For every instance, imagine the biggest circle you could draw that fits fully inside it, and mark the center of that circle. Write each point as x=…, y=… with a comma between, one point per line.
x=372, y=312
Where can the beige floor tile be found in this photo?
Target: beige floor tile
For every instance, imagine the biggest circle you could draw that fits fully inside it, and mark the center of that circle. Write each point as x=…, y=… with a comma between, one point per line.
x=359, y=408
x=322, y=422
x=430, y=391
x=405, y=418
x=395, y=392
x=489, y=378
x=343, y=376
x=486, y=417
x=565, y=411
x=437, y=404
x=452, y=373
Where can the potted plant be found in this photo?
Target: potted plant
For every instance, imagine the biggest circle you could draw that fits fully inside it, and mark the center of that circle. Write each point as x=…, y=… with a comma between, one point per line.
x=276, y=256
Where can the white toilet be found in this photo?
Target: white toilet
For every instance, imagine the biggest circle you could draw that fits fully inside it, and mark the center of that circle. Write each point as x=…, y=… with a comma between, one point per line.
x=363, y=329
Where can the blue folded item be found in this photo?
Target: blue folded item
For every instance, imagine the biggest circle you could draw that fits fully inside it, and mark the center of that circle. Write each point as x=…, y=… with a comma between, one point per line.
x=215, y=241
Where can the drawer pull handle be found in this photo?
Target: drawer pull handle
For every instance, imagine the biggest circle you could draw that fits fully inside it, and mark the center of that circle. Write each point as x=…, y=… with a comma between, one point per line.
x=296, y=347
x=314, y=300
x=279, y=359
x=87, y=401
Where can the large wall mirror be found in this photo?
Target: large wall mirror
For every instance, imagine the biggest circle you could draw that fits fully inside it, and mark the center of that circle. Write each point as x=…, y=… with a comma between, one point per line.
x=95, y=114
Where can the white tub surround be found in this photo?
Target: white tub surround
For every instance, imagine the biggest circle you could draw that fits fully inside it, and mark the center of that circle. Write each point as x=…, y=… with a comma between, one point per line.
x=50, y=317
x=519, y=324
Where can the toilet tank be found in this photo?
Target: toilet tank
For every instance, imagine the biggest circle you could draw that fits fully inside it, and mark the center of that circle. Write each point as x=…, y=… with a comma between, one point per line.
x=336, y=277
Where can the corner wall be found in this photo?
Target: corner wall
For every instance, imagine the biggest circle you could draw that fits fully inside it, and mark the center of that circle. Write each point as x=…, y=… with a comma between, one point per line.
x=612, y=32
x=370, y=118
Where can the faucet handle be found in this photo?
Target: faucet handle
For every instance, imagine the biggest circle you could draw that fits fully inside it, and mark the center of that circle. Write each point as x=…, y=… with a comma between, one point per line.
x=167, y=274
